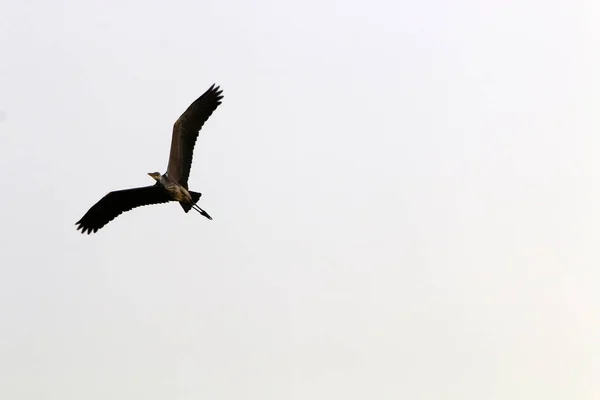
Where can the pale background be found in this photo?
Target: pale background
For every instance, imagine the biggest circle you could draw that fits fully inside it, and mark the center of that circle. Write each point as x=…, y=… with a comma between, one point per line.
x=404, y=195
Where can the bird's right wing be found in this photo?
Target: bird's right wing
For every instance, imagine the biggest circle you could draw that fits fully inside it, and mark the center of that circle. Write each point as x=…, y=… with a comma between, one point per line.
x=115, y=203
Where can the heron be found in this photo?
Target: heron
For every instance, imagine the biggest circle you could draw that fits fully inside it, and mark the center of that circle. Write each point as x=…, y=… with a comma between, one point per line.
x=170, y=186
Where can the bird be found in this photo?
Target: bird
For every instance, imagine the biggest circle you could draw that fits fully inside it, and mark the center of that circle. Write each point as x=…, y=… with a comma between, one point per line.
x=170, y=186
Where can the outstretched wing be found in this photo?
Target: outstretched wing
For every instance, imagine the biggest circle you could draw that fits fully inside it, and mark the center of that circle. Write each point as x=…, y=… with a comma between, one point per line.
x=185, y=133
x=115, y=203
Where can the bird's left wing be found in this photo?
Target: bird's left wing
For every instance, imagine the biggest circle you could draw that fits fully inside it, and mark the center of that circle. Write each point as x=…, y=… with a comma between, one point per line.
x=185, y=133
x=120, y=201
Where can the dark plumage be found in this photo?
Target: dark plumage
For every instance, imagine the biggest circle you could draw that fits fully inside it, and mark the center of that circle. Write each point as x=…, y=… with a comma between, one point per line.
x=185, y=133
x=171, y=186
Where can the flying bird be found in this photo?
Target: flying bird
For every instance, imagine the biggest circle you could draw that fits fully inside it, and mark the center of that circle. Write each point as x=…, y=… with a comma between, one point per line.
x=170, y=186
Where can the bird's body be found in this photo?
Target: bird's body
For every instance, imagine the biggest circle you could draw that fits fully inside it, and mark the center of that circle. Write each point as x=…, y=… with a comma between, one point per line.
x=178, y=192
x=170, y=186
x=175, y=190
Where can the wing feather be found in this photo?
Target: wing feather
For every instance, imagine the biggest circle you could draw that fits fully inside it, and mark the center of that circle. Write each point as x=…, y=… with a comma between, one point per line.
x=115, y=203
x=185, y=133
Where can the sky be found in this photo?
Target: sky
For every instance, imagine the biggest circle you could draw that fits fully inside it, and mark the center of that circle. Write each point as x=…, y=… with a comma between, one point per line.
x=404, y=196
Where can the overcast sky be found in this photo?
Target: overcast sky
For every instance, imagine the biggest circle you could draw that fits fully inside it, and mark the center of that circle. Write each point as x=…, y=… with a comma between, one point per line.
x=404, y=195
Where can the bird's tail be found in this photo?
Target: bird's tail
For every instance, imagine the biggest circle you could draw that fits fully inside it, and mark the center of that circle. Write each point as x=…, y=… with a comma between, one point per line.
x=195, y=197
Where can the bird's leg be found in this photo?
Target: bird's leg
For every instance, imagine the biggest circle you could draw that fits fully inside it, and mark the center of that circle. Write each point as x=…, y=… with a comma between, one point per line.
x=201, y=211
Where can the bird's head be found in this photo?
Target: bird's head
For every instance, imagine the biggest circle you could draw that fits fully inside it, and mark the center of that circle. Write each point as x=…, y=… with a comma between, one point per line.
x=155, y=175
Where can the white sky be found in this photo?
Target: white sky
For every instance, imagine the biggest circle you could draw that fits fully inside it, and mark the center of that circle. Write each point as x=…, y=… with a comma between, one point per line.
x=404, y=196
